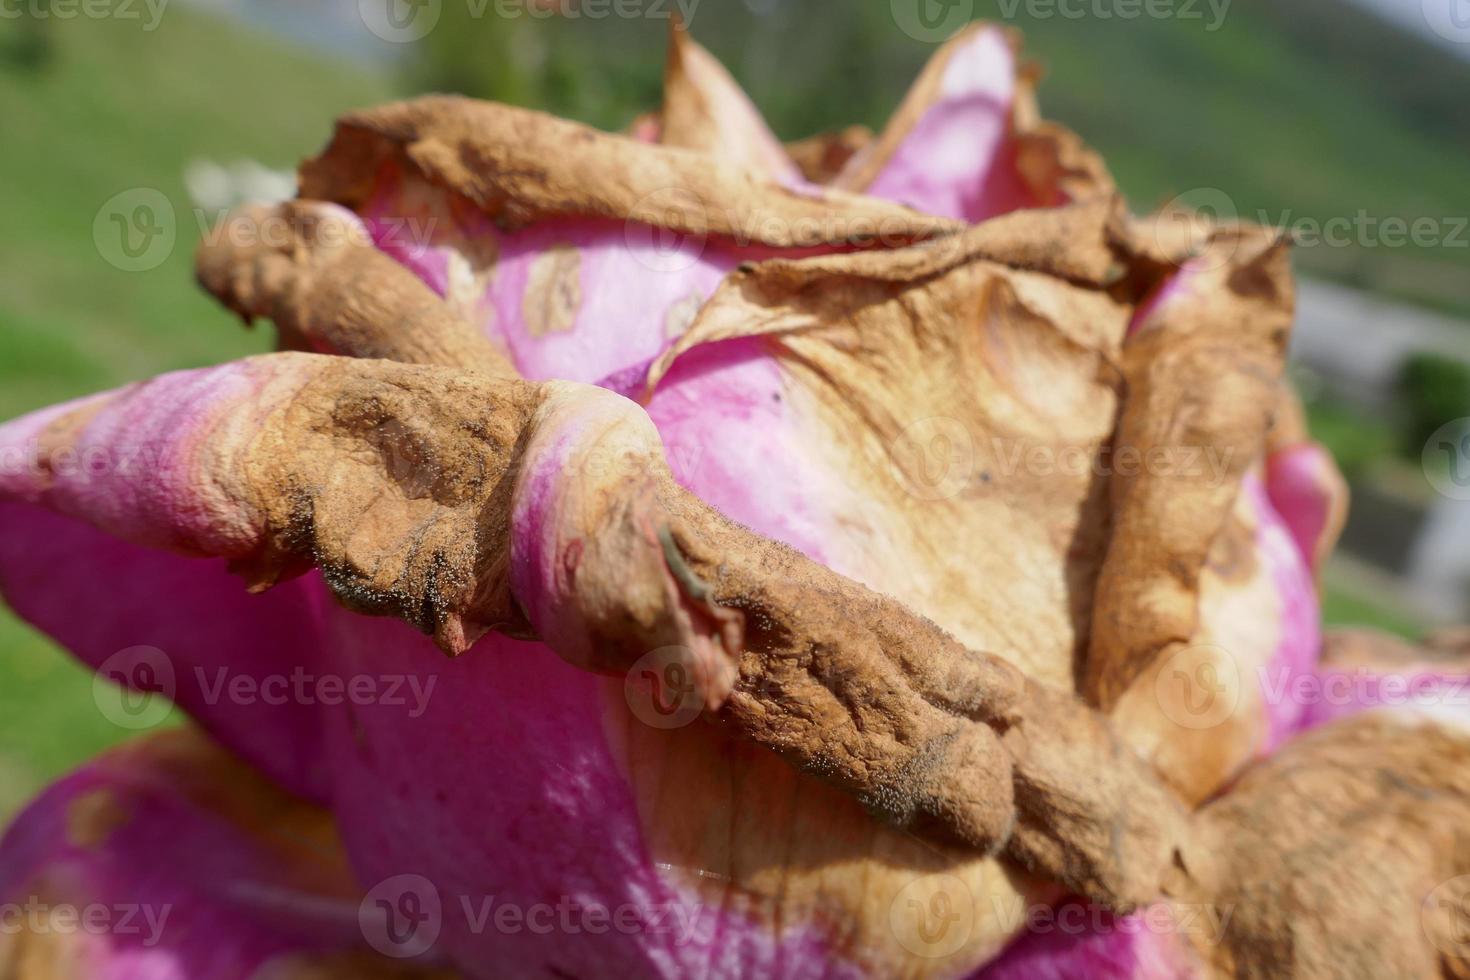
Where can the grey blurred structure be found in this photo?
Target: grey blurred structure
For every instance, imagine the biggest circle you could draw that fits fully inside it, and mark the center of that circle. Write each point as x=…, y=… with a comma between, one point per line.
x=1355, y=345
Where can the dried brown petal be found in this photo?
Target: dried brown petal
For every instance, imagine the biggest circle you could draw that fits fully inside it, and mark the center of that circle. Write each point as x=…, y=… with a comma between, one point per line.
x=520, y=166
x=1341, y=856
x=822, y=157
x=705, y=109
x=313, y=269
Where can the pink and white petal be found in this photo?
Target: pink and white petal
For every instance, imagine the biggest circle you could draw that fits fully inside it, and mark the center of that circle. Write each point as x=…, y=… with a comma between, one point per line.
x=1310, y=494
x=948, y=149
x=592, y=269
x=967, y=141
x=1076, y=940
x=1364, y=670
x=182, y=628
x=167, y=859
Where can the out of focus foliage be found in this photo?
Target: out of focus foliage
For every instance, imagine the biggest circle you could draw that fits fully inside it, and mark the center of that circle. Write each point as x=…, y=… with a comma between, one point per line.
x=1303, y=112
x=1431, y=391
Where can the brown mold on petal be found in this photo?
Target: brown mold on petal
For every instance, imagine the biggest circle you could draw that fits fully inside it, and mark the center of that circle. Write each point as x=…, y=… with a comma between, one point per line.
x=519, y=167
x=1341, y=856
x=704, y=109
x=312, y=269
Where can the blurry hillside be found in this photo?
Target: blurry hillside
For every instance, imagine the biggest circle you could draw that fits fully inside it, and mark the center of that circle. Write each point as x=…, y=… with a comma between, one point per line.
x=1301, y=112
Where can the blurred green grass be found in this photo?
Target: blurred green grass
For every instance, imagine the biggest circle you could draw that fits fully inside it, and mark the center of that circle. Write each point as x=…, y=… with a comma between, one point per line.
x=113, y=109
x=116, y=109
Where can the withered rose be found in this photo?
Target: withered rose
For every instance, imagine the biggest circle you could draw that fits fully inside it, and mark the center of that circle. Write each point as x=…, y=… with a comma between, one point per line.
x=842, y=551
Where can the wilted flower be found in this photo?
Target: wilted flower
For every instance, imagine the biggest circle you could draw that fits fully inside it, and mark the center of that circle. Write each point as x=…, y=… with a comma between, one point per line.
x=842, y=553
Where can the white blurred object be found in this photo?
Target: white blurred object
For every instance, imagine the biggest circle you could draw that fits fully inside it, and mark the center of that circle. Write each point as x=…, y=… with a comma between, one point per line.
x=214, y=187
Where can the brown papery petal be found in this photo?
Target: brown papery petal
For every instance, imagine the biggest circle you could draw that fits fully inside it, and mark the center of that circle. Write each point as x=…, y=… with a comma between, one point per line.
x=962, y=392
x=520, y=166
x=1203, y=370
x=313, y=269
x=1342, y=856
x=704, y=109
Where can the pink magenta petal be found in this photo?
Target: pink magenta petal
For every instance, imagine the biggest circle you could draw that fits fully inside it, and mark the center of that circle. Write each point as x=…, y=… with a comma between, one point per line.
x=168, y=860
x=958, y=159
x=182, y=627
x=1304, y=486
x=1078, y=941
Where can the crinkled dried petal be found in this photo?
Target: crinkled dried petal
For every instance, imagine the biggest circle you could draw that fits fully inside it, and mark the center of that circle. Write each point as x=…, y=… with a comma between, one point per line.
x=705, y=109
x=941, y=411
x=1197, y=594
x=167, y=859
x=314, y=270
x=521, y=167
x=580, y=253
x=1342, y=856
x=967, y=141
